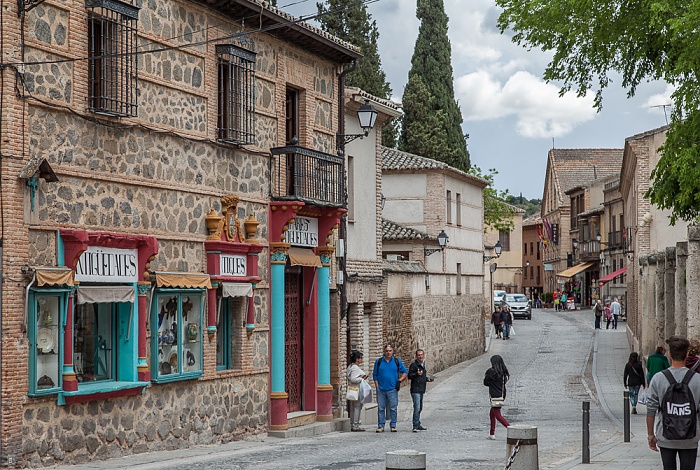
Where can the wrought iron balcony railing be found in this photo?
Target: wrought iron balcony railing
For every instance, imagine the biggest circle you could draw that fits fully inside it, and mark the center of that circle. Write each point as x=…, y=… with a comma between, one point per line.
x=614, y=240
x=307, y=175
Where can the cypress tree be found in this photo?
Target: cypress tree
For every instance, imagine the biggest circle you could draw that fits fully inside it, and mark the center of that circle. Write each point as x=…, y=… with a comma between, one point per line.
x=431, y=63
x=350, y=21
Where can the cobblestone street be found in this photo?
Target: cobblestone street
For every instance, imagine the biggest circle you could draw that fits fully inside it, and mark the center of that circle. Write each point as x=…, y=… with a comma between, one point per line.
x=548, y=359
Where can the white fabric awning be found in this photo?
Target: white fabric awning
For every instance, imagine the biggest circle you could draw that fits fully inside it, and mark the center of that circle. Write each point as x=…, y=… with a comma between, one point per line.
x=105, y=294
x=236, y=289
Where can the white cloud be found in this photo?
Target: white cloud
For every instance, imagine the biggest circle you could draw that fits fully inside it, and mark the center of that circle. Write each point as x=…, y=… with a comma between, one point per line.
x=660, y=103
x=539, y=111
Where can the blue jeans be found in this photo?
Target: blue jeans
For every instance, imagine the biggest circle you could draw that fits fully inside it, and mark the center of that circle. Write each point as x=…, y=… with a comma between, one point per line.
x=506, y=330
x=384, y=396
x=417, y=408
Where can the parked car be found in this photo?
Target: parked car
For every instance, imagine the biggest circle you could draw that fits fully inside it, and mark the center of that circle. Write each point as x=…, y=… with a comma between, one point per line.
x=499, y=296
x=519, y=306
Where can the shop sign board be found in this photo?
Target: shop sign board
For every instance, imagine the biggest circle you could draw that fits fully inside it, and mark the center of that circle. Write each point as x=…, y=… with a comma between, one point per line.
x=303, y=232
x=104, y=264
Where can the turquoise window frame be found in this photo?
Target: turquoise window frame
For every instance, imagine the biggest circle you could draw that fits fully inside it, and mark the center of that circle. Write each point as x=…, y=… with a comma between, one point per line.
x=124, y=356
x=156, y=377
x=223, y=334
x=32, y=331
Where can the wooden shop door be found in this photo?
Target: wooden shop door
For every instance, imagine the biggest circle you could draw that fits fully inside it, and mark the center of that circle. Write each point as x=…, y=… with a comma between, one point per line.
x=292, y=338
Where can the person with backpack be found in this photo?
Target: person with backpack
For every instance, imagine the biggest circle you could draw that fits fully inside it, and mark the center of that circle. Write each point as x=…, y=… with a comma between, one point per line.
x=388, y=373
x=672, y=410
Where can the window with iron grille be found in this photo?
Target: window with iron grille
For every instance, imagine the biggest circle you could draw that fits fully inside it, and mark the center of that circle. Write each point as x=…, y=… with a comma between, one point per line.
x=236, y=116
x=112, y=69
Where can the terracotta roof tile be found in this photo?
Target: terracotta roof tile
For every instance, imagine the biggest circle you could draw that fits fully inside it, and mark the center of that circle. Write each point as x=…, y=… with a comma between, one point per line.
x=393, y=159
x=393, y=231
x=575, y=167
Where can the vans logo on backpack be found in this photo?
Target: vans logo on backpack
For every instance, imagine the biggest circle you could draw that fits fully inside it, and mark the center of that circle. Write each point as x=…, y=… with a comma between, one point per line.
x=678, y=410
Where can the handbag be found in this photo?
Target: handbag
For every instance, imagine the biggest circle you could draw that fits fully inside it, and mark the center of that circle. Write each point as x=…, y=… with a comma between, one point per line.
x=365, y=392
x=497, y=402
x=353, y=392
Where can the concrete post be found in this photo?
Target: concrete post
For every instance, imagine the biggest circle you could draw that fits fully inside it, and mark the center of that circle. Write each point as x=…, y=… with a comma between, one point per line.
x=405, y=460
x=692, y=279
x=527, y=457
x=681, y=308
x=659, y=263
x=670, y=291
x=646, y=311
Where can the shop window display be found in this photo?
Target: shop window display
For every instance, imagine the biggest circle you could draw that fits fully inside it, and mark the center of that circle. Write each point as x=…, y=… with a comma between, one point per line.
x=44, y=324
x=177, y=347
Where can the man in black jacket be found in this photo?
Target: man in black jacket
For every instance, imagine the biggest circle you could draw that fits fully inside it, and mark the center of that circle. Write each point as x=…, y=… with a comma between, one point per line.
x=418, y=377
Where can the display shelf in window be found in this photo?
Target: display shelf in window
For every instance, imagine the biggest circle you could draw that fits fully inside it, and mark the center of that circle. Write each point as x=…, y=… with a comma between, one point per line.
x=177, y=347
x=45, y=315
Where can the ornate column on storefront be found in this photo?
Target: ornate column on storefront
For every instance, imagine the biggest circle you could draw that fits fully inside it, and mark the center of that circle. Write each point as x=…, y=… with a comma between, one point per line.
x=325, y=389
x=211, y=308
x=278, y=395
x=144, y=374
x=70, y=381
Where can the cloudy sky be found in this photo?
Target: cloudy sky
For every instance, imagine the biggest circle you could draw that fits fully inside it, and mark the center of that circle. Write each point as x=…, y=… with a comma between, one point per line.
x=511, y=115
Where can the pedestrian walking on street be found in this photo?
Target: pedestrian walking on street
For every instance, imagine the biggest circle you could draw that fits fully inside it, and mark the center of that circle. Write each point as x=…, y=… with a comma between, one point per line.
x=355, y=376
x=418, y=376
x=608, y=316
x=557, y=298
x=506, y=321
x=598, y=311
x=495, y=379
x=496, y=320
x=693, y=354
x=656, y=363
x=388, y=373
x=633, y=378
x=616, y=310
x=672, y=404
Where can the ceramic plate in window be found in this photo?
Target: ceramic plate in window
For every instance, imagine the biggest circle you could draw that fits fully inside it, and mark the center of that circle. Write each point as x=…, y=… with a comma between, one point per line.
x=45, y=340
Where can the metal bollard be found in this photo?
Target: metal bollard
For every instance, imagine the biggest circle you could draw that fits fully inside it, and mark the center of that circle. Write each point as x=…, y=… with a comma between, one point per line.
x=626, y=408
x=521, y=449
x=406, y=459
x=586, y=438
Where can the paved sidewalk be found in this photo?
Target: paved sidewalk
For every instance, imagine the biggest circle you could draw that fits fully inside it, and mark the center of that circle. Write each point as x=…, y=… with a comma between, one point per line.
x=610, y=354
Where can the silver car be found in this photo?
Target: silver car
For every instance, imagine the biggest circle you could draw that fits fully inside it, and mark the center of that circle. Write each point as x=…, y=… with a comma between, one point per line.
x=519, y=306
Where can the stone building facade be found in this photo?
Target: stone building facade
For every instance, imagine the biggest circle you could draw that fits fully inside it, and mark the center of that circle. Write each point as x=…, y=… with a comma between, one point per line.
x=433, y=299
x=134, y=205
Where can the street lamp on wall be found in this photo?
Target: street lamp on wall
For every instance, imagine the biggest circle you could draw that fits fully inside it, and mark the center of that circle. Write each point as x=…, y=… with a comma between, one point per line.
x=442, y=239
x=498, y=248
x=367, y=116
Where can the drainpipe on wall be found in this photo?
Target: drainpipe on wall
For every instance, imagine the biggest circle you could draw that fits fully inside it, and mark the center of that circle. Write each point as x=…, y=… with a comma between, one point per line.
x=340, y=144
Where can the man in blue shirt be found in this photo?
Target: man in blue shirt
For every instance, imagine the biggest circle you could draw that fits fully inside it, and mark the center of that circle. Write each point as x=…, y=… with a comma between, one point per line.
x=388, y=373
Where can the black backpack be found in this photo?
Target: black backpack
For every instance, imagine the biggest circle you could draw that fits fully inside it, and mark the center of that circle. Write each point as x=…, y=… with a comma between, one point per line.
x=678, y=408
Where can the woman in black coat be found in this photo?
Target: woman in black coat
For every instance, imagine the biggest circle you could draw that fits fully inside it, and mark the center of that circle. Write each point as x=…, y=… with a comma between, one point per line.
x=495, y=379
x=634, y=378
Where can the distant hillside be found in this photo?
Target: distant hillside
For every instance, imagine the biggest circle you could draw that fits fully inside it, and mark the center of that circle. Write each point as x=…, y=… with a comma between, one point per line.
x=531, y=207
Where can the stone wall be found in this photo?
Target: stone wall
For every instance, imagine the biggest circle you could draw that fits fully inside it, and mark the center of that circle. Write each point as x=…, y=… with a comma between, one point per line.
x=166, y=417
x=448, y=327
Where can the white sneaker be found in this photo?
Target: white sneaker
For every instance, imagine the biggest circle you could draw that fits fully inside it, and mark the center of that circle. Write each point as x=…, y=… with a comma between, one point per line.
x=492, y=437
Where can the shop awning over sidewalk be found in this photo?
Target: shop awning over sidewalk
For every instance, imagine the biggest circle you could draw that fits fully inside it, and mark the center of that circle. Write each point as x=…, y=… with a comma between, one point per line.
x=611, y=276
x=571, y=272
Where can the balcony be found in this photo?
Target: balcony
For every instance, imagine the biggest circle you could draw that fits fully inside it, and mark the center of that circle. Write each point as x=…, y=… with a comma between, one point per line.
x=589, y=250
x=302, y=174
x=614, y=240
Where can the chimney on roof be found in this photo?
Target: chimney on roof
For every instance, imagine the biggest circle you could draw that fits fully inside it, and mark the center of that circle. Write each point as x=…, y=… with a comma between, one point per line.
x=595, y=173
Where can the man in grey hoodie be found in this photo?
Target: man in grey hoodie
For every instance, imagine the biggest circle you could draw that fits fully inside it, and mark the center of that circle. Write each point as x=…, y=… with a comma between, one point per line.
x=686, y=450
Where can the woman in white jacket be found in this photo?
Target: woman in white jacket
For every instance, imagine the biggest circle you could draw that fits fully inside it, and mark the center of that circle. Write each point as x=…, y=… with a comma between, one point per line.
x=355, y=376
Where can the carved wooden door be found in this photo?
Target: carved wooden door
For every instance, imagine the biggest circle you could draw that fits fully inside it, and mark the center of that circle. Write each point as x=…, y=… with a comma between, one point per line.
x=292, y=338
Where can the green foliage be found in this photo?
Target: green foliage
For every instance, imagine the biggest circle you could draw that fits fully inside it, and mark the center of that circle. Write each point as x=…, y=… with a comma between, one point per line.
x=547, y=297
x=350, y=21
x=531, y=207
x=498, y=214
x=641, y=40
x=430, y=80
